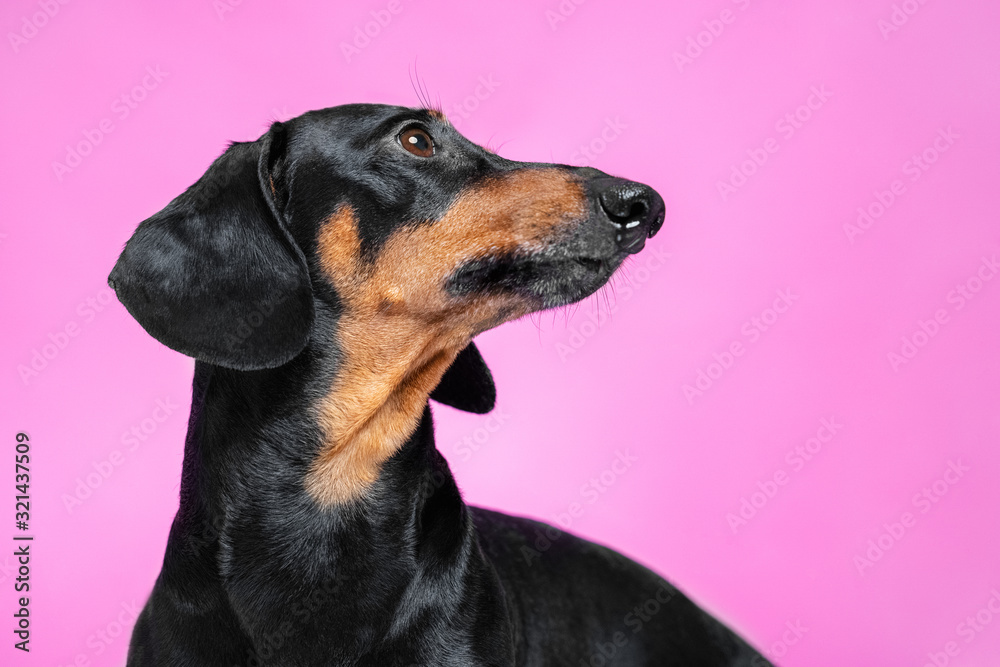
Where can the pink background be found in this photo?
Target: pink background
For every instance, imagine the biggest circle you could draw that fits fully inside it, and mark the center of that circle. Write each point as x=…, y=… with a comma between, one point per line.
x=576, y=388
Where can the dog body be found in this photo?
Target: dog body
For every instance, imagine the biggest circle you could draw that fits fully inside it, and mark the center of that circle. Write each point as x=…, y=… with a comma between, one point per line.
x=329, y=279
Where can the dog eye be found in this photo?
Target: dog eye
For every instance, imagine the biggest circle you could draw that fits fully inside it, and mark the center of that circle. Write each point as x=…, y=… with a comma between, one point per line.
x=417, y=141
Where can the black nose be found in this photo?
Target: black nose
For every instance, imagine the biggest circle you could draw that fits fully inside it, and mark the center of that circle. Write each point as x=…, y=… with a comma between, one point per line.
x=635, y=209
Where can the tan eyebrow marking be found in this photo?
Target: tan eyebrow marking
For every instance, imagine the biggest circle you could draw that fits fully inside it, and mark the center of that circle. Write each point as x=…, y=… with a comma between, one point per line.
x=437, y=114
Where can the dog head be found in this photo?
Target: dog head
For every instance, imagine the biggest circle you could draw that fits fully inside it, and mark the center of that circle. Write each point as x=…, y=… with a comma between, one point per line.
x=388, y=222
x=390, y=213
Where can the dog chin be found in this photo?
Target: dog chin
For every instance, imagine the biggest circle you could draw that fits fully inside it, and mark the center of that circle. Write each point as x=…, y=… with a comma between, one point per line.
x=548, y=282
x=574, y=280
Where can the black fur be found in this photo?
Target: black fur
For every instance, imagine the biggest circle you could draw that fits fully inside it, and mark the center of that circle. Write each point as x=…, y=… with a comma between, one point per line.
x=255, y=573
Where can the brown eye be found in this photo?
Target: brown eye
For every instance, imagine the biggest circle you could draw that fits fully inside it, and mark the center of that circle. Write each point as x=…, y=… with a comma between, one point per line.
x=417, y=142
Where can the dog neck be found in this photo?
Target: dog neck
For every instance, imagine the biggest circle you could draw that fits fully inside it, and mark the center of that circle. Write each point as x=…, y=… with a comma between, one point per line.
x=387, y=369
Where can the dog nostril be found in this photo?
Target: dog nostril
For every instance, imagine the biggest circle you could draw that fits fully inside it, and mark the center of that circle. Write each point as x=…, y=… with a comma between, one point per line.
x=636, y=214
x=622, y=203
x=631, y=218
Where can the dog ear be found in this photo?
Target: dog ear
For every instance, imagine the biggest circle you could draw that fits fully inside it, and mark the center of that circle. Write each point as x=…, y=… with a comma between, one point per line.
x=216, y=274
x=467, y=384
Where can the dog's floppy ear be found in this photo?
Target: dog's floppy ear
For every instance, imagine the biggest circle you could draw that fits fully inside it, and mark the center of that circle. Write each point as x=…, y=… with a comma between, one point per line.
x=467, y=384
x=216, y=274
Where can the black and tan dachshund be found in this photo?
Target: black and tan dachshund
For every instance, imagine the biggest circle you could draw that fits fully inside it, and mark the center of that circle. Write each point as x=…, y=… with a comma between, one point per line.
x=329, y=278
